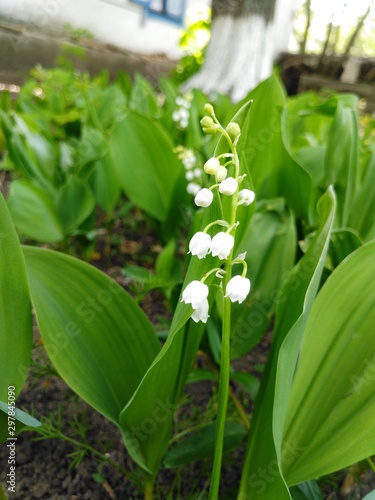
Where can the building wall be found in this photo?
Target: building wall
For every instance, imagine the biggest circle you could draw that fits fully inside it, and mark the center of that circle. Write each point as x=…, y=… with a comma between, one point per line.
x=122, y=25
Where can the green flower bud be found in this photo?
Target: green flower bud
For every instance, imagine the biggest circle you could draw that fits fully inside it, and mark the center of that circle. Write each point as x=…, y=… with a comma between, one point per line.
x=208, y=108
x=207, y=122
x=210, y=131
x=233, y=129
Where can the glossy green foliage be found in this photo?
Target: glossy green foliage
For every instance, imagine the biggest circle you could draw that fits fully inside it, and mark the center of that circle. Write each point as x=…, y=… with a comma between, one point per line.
x=323, y=137
x=15, y=317
x=152, y=406
x=294, y=303
x=331, y=404
x=146, y=166
x=48, y=203
x=270, y=243
x=34, y=212
x=87, y=142
x=362, y=214
x=98, y=339
x=274, y=172
x=143, y=98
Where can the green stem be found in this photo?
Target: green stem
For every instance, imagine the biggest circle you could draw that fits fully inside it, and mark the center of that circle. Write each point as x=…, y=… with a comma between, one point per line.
x=223, y=400
x=80, y=444
x=184, y=433
x=371, y=463
x=149, y=489
x=225, y=345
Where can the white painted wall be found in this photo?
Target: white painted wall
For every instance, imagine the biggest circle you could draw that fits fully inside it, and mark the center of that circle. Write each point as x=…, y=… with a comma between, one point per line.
x=109, y=23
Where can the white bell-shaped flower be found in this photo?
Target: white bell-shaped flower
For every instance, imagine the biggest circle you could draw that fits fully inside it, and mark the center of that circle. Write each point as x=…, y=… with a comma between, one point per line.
x=237, y=289
x=189, y=175
x=200, y=244
x=228, y=186
x=194, y=293
x=246, y=196
x=204, y=198
x=211, y=166
x=193, y=188
x=201, y=312
x=221, y=245
x=221, y=173
x=184, y=114
x=189, y=159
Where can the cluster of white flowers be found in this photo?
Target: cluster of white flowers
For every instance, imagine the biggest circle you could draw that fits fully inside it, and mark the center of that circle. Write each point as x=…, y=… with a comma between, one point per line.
x=193, y=173
x=182, y=113
x=222, y=243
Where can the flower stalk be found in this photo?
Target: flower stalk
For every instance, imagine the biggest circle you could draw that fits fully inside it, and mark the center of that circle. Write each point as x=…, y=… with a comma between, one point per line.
x=221, y=245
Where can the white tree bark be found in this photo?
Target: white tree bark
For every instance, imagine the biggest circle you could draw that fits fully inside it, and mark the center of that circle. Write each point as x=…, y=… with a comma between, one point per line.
x=241, y=51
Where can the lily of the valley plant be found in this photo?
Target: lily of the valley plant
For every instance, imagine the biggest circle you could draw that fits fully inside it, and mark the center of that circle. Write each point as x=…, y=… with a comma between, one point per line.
x=235, y=287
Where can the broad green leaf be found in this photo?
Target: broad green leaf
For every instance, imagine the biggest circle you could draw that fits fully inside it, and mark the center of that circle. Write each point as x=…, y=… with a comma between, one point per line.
x=164, y=263
x=105, y=183
x=201, y=444
x=168, y=267
x=15, y=314
x=33, y=212
x=270, y=243
x=152, y=407
x=273, y=171
x=343, y=243
x=194, y=136
x=341, y=165
x=124, y=82
x=91, y=146
x=263, y=146
x=362, y=213
x=323, y=138
x=179, y=202
x=307, y=126
x=143, y=99
x=293, y=308
x=39, y=149
x=145, y=164
x=21, y=155
x=332, y=403
x=213, y=333
x=98, y=339
x=74, y=203
x=108, y=106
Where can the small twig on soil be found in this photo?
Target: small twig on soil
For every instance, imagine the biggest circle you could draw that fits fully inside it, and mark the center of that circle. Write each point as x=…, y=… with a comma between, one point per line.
x=108, y=488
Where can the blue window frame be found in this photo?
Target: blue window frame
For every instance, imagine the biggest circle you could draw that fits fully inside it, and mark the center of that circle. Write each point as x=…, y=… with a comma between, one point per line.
x=168, y=10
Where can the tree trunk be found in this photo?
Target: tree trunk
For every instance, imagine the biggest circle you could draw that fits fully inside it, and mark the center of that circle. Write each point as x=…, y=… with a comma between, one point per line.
x=246, y=36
